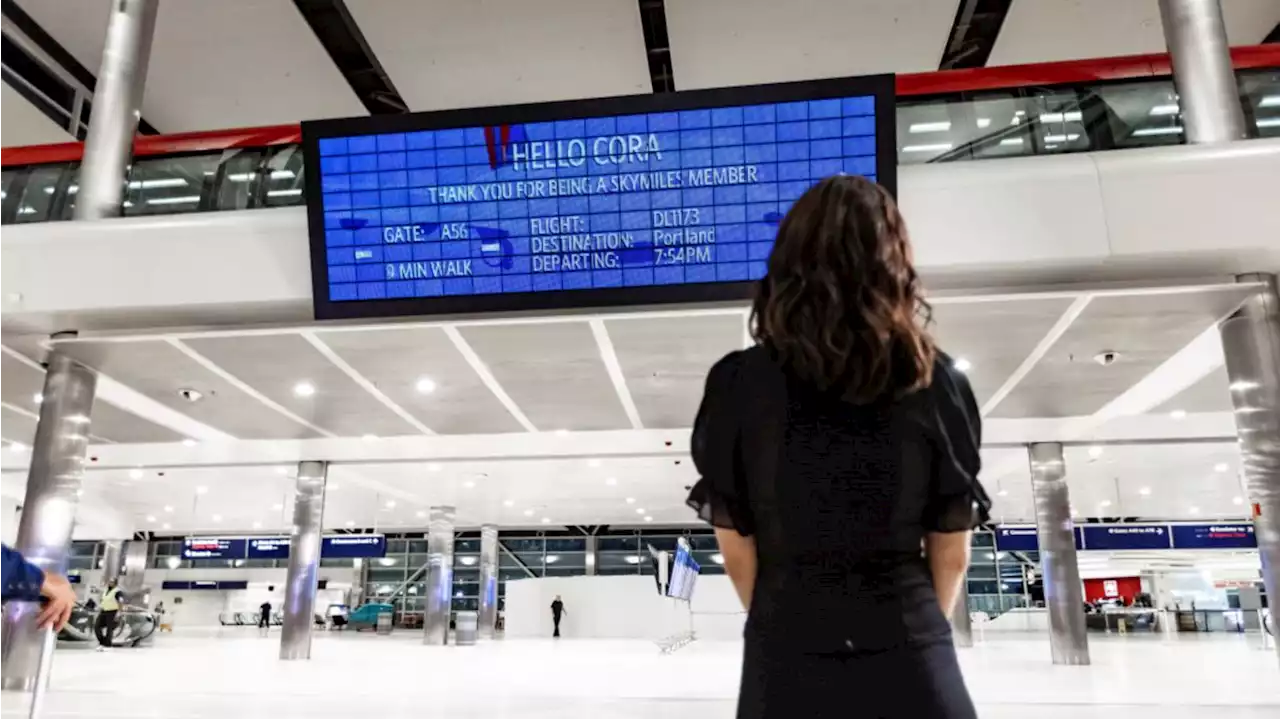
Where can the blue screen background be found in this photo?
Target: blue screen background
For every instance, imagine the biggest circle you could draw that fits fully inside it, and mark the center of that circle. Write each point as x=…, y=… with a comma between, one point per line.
x=469, y=211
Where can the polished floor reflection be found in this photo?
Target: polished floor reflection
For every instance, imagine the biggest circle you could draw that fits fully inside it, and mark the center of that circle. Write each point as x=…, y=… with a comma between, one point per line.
x=233, y=673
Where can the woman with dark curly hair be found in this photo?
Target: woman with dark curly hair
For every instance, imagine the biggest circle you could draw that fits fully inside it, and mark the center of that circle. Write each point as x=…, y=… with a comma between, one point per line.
x=839, y=461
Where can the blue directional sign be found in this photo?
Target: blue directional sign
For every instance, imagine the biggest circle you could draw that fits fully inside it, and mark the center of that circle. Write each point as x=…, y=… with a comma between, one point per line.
x=268, y=548
x=1126, y=536
x=1023, y=538
x=353, y=546
x=1222, y=535
x=214, y=548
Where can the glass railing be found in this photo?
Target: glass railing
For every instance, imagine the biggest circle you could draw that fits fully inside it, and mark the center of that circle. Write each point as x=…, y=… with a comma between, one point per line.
x=977, y=125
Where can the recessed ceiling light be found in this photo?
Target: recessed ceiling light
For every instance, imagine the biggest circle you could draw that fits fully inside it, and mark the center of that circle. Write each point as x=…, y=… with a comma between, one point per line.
x=202, y=489
x=546, y=520
x=80, y=492
x=1237, y=500
x=639, y=510
x=191, y=395
x=391, y=504
x=151, y=518
x=648, y=519
x=469, y=484
x=425, y=385
x=1221, y=467
x=1095, y=451
x=433, y=467
x=37, y=398
x=1194, y=510
x=610, y=481
x=528, y=512
x=923, y=127
x=508, y=503
x=963, y=364
x=421, y=513
x=188, y=442
x=277, y=507
x=631, y=559
x=216, y=518
x=562, y=433
x=593, y=463
x=552, y=558
x=370, y=438
x=467, y=561
x=631, y=500
x=1178, y=414
x=984, y=122
x=1145, y=491
x=168, y=509
x=350, y=522
x=1002, y=493
x=718, y=558
x=135, y=474
x=166, y=525
x=304, y=389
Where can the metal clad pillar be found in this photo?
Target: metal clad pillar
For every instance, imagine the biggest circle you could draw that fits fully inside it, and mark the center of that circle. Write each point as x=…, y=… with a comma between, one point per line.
x=117, y=106
x=304, y=561
x=112, y=560
x=439, y=591
x=1063, y=592
x=49, y=509
x=135, y=567
x=592, y=545
x=488, y=580
x=1202, y=72
x=961, y=622
x=1251, y=344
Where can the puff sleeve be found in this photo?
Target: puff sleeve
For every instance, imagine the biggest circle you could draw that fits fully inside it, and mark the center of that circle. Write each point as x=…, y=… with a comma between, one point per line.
x=957, y=501
x=720, y=495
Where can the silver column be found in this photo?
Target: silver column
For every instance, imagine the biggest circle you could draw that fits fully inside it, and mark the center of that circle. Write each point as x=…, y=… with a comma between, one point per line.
x=1063, y=592
x=49, y=509
x=134, y=571
x=112, y=560
x=1202, y=70
x=488, y=580
x=438, y=604
x=304, y=561
x=117, y=106
x=1251, y=344
x=961, y=623
x=591, y=548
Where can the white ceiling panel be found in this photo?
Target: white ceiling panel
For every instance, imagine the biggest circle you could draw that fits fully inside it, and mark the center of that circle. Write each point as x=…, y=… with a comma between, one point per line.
x=22, y=124
x=443, y=54
x=1048, y=31
x=216, y=64
x=716, y=43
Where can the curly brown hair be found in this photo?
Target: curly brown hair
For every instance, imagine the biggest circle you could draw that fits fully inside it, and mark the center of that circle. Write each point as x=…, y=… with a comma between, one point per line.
x=841, y=305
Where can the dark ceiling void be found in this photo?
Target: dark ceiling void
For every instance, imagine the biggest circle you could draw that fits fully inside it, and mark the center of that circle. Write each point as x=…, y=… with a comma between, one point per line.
x=341, y=37
x=973, y=33
x=29, y=72
x=1273, y=36
x=653, y=20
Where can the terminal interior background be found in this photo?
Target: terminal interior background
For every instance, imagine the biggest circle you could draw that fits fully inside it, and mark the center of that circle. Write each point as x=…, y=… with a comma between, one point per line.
x=1078, y=275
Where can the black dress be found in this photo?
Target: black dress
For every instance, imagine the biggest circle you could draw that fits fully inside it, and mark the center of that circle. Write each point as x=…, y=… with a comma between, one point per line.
x=844, y=620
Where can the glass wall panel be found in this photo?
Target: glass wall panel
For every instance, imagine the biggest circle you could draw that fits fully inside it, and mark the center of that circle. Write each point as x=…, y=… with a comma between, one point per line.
x=165, y=185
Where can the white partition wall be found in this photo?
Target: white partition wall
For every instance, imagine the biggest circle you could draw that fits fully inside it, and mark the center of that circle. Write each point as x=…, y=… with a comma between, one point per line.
x=617, y=607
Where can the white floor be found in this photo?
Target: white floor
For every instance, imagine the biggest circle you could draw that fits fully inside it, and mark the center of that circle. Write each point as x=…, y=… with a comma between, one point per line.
x=235, y=674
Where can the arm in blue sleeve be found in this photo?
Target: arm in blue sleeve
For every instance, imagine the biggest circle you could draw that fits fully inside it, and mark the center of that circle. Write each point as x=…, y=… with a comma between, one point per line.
x=21, y=579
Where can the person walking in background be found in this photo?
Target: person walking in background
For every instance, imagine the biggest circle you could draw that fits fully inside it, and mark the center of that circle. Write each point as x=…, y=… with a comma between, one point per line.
x=839, y=461
x=25, y=582
x=104, y=627
x=557, y=611
x=264, y=617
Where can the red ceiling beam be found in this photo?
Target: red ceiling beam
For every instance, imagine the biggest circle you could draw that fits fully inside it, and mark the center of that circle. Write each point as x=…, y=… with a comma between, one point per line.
x=945, y=82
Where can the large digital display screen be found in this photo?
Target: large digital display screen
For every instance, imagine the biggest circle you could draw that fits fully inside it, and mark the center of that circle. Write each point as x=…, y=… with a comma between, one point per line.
x=684, y=573
x=646, y=199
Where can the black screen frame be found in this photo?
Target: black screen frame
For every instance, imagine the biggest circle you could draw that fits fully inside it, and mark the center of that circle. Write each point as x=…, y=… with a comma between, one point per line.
x=879, y=86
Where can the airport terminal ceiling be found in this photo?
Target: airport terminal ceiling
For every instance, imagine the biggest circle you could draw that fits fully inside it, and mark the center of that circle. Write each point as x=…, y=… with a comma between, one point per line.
x=553, y=421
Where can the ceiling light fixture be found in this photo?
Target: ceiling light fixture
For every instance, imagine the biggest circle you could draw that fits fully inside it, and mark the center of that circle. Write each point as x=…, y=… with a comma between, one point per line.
x=1011, y=141
x=173, y=562
x=933, y=147
x=562, y=433
x=1002, y=493
x=1163, y=110
x=188, y=442
x=1145, y=491
x=257, y=525
x=179, y=200
x=425, y=385
x=1221, y=467
x=528, y=512
x=17, y=447
x=639, y=510
x=917, y=128
x=350, y=523
x=1178, y=414
x=135, y=474
x=718, y=558
x=546, y=520
x=469, y=484
x=1153, y=131
x=421, y=513
x=37, y=398
x=984, y=122
x=1194, y=510
x=1104, y=503
x=304, y=389
x=1237, y=501
x=631, y=559
x=202, y=490
x=391, y=504
x=166, y=526
x=1269, y=101
x=277, y=507
x=282, y=471
x=552, y=558
x=963, y=364
x=467, y=561
x=1095, y=451
x=648, y=519
x=631, y=500
x=508, y=503
x=151, y=519
x=168, y=509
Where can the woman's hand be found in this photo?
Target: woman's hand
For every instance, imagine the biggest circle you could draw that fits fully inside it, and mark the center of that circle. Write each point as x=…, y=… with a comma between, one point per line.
x=60, y=600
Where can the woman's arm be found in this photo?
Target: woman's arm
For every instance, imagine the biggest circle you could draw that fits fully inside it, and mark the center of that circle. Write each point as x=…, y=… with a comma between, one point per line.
x=739, y=554
x=948, y=557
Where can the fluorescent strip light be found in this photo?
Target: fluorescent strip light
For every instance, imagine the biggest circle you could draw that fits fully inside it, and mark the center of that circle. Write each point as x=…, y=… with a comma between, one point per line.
x=26, y=210
x=241, y=176
x=1149, y=131
x=1073, y=116
x=1270, y=101
x=984, y=122
x=1011, y=141
x=157, y=184
x=250, y=176
x=285, y=193
x=1268, y=122
x=921, y=127
x=1070, y=137
x=936, y=147
x=180, y=200
x=1164, y=110
x=282, y=175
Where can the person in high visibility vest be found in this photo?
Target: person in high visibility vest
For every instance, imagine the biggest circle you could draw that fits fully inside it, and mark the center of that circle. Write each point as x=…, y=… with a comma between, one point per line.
x=104, y=627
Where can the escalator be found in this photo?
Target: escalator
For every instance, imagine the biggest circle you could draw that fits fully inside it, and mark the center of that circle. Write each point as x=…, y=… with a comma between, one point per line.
x=133, y=627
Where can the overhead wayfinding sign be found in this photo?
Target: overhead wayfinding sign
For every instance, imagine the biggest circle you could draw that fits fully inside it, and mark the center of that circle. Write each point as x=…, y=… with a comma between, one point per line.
x=333, y=546
x=629, y=200
x=1222, y=535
